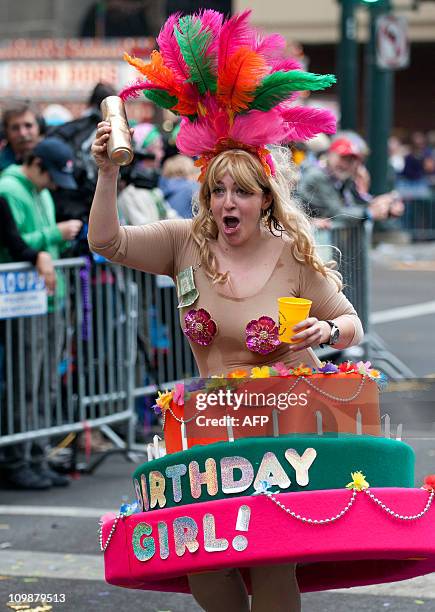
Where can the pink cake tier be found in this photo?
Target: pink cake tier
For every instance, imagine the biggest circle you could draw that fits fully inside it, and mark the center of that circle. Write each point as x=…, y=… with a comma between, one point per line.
x=360, y=537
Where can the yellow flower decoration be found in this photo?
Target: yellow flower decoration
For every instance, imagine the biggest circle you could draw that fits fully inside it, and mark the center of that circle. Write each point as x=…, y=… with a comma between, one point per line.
x=374, y=374
x=164, y=399
x=359, y=482
x=238, y=374
x=302, y=370
x=262, y=372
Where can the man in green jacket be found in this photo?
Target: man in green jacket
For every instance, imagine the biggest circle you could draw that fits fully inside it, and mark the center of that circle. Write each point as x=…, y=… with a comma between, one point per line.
x=26, y=189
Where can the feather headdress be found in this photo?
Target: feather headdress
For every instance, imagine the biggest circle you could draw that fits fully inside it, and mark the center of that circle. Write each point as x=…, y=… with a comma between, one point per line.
x=233, y=86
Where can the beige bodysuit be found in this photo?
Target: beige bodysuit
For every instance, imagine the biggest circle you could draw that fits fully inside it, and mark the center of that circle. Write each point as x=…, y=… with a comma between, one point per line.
x=167, y=247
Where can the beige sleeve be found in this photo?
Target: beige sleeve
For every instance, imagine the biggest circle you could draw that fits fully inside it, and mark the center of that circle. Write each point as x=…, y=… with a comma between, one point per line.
x=150, y=248
x=328, y=302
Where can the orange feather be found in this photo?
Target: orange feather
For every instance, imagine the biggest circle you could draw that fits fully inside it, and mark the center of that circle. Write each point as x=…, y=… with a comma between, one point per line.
x=238, y=80
x=156, y=72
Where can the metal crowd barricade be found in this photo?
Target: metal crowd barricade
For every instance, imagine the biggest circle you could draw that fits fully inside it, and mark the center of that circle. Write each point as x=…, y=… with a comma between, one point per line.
x=419, y=219
x=74, y=367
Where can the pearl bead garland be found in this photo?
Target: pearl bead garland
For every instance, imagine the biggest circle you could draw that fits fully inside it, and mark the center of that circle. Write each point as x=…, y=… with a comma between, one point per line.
x=304, y=519
x=411, y=517
x=103, y=547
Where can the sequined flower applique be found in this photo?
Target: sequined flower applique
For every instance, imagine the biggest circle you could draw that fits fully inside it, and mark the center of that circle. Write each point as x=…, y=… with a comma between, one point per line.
x=199, y=326
x=262, y=335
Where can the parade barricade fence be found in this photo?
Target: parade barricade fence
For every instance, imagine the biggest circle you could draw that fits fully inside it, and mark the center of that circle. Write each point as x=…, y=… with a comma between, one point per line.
x=419, y=219
x=73, y=366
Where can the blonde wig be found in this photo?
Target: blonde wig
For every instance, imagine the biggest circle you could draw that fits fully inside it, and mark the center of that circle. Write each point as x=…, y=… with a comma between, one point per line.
x=284, y=215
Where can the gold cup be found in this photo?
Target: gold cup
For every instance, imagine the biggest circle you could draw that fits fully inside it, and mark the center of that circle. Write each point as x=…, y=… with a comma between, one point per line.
x=119, y=147
x=291, y=311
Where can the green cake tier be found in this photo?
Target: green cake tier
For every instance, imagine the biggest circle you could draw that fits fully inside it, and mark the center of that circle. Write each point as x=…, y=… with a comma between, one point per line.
x=288, y=463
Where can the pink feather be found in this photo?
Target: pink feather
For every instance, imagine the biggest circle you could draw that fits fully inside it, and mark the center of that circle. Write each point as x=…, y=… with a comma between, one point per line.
x=304, y=122
x=133, y=90
x=236, y=32
x=270, y=46
x=170, y=50
x=212, y=21
x=195, y=137
x=258, y=128
x=287, y=63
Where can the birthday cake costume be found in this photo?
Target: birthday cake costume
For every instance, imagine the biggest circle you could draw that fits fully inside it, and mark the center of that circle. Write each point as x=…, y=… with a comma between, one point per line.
x=283, y=496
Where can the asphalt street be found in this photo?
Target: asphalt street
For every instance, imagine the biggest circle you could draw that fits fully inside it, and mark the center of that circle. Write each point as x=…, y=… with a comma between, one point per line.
x=48, y=540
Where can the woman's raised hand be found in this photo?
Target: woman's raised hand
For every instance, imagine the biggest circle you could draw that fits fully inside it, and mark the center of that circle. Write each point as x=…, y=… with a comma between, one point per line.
x=310, y=332
x=99, y=149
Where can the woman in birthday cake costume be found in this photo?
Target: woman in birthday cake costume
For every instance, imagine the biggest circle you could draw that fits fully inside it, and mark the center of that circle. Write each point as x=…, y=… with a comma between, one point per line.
x=247, y=245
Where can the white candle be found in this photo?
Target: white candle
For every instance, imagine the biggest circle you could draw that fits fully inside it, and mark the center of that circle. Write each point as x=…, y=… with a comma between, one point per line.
x=319, y=421
x=358, y=422
x=150, y=452
x=399, y=431
x=387, y=426
x=183, y=436
x=230, y=432
x=156, y=446
x=275, y=423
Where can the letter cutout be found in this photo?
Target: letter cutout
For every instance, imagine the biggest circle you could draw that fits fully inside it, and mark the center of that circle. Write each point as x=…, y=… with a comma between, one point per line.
x=271, y=470
x=300, y=464
x=185, y=532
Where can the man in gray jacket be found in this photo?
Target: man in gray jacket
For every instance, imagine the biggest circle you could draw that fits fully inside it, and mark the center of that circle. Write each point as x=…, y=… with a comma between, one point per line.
x=331, y=191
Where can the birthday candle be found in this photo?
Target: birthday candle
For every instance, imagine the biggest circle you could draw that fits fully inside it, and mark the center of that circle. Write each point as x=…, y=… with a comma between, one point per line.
x=387, y=426
x=399, y=431
x=183, y=436
x=156, y=446
x=358, y=422
x=275, y=423
x=319, y=420
x=230, y=432
x=150, y=452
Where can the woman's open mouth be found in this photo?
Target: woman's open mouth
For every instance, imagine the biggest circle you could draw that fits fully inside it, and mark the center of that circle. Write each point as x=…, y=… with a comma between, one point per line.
x=231, y=224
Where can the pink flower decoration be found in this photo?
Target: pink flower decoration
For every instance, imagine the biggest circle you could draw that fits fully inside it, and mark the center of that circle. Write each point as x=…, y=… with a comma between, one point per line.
x=281, y=368
x=262, y=335
x=199, y=326
x=179, y=394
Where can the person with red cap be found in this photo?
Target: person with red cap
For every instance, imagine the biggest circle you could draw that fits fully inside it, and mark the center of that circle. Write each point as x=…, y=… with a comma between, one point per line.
x=340, y=187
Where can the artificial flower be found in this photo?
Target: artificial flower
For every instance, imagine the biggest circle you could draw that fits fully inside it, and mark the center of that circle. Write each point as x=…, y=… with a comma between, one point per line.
x=328, y=368
x=260, y=372
x=164, y=399
x=374, y=374
x=178, y=396
x=347, y=367
x=302, y=370
x=281, y=368
x=157, y=409
x=199, y=326
x=262, y=335
x=359, y=482
x=129, y=509
x=216, y=382
x=364, y=367
x=429, y=482
x=238, y=374
x=195, y=384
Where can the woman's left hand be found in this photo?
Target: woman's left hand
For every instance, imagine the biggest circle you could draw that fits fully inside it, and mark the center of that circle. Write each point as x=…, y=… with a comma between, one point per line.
x=309, y=332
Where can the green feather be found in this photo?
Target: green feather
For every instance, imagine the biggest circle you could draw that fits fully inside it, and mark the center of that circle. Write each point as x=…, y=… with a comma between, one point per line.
x=161, y=97
x=278, y=86
x=193, y=45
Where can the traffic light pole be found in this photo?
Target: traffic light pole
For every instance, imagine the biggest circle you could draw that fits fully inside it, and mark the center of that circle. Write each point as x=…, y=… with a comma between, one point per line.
x=378, y=106
x=348, y=66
